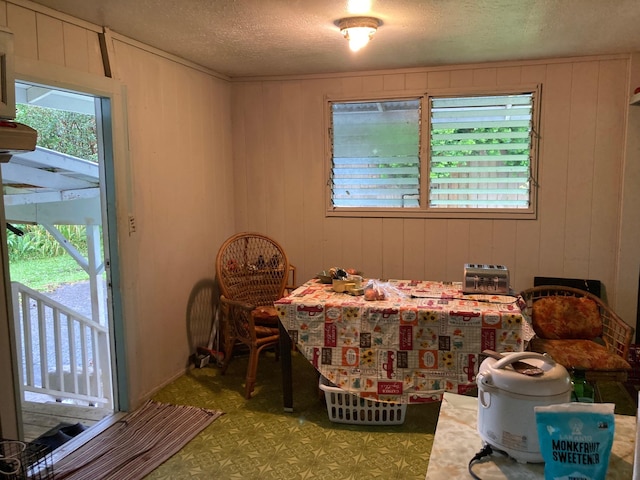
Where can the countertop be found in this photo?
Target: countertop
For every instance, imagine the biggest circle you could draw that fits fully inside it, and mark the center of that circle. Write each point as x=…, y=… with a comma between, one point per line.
x=457, y=441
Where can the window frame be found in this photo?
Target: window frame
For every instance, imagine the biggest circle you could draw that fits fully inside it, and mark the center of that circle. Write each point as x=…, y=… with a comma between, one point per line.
x=424, y=211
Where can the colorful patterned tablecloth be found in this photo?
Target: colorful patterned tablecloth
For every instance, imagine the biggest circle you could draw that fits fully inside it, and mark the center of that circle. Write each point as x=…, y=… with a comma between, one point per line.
x=424, y=339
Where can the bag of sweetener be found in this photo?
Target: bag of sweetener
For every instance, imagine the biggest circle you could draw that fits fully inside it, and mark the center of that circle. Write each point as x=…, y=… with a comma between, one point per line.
x=575, y=439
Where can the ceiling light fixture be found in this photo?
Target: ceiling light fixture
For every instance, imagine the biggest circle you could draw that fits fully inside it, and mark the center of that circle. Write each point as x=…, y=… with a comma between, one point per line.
x=358, y=30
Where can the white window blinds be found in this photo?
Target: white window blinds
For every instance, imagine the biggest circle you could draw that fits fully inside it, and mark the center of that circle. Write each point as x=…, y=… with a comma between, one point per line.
x=480, y=151
x=376, y=154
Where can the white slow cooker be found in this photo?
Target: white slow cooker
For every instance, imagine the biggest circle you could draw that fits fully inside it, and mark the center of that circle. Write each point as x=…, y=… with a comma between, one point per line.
x=506, y=398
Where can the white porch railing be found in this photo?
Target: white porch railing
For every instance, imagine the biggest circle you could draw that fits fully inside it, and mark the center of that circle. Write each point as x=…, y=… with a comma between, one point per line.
x=64, y=354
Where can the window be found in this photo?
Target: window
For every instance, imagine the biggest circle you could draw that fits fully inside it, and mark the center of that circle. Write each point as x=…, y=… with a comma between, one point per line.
x=480, y=151
x=376, y=154
x=475, y=159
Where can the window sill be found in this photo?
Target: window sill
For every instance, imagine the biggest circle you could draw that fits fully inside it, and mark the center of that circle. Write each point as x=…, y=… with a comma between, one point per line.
x=449, y=214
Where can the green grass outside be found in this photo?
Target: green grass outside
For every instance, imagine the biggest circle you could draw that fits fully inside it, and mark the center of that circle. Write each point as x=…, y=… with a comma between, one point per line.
x=47, y=274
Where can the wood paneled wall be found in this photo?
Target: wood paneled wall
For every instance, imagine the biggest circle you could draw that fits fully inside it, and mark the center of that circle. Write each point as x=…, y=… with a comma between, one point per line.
x=44, y=36
x=279, y=154
x=181, y=180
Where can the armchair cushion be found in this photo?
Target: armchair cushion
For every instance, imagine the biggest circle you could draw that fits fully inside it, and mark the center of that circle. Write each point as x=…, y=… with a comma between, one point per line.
x=562, y=317
x=266, y=315
x=265, y=312
x=579, y=354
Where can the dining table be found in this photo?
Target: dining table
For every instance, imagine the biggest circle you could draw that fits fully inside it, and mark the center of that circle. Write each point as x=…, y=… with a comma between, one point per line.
x=418, y=340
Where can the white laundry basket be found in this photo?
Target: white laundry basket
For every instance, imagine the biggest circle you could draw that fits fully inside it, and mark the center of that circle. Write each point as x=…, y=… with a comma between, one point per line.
x=344, y=407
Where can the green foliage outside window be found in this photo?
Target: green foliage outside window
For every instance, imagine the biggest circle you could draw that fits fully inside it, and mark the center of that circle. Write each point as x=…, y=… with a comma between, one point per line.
x=62, y=131
x=67, y=132
x=439, y=162
x=37, y=243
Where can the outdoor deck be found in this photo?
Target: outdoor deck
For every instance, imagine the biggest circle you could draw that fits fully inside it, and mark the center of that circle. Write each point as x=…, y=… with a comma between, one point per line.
x=39, y=418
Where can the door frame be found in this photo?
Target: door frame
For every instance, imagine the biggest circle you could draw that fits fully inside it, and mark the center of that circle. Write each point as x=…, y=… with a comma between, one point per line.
x=112, y=134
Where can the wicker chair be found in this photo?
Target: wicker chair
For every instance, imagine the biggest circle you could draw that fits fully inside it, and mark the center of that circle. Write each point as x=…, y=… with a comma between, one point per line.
x=252, y=271
x=579, y=331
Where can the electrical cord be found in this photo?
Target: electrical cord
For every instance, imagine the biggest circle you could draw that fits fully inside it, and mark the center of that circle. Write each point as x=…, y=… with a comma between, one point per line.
x=470, y=299
x=484, y=452
x=15, y=230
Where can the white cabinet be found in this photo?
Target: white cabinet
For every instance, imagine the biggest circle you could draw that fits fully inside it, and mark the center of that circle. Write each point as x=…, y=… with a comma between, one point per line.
x=7, y=76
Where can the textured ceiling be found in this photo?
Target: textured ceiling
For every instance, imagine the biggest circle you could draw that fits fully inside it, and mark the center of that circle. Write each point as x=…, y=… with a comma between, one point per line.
x=244, y=38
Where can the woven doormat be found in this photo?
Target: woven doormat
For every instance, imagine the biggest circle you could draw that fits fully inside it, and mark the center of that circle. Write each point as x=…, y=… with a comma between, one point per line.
x=136, y=444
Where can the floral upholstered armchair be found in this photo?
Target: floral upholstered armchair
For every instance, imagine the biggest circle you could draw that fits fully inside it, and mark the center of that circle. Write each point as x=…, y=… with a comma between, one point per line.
x=579, y=331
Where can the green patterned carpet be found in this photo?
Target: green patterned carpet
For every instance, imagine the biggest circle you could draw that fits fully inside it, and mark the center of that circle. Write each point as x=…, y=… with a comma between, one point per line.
x=257, y=439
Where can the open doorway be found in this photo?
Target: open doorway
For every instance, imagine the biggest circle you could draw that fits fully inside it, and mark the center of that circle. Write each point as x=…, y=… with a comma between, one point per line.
x=59, y=258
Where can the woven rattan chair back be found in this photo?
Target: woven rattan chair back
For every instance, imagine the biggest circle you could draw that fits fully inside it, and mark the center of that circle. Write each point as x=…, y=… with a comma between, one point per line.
x=252, y=268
